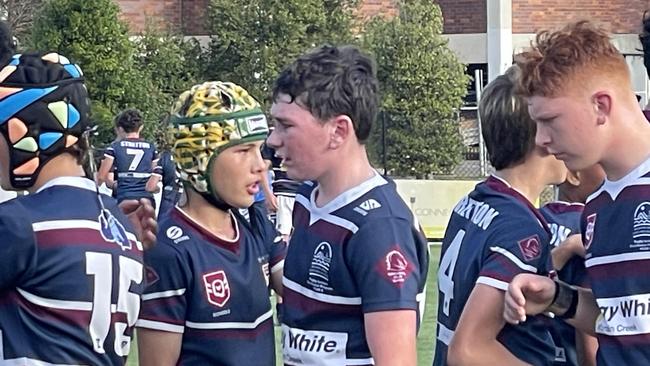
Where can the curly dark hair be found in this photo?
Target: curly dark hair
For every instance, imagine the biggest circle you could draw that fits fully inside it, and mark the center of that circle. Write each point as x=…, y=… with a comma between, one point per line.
x=331, y=81
x=129, y=119
x=7, y=43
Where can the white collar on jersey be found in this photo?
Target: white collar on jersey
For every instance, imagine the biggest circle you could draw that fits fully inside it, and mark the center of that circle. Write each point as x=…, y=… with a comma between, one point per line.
x=344, y=198
x=232, y=217
x=633, y=178
x=78, y=182
x=508, y=184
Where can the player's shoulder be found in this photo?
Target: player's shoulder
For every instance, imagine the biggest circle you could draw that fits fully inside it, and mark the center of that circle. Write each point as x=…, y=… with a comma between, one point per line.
x=561, y=208
x=14, y=215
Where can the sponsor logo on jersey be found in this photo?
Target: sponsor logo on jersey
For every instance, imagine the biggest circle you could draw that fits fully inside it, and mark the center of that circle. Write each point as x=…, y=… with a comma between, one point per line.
x=175, y=233
x=625, y=315
x=217, y=288
x=112, y=230
x=641, y=230
x=589, y=230
x=313, y=347
x=319, y=270
x=530, y=247
x=366, y=206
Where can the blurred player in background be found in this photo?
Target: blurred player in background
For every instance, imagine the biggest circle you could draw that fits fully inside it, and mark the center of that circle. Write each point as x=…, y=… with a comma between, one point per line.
x=494, y=234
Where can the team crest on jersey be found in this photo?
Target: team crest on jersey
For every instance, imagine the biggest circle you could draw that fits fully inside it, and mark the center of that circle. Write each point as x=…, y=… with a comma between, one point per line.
x=150, y=275
x=319, y=270
x=589, y=230
x=112, y=230
x=530, y=247
x=217, y=288
x=395, y=267
x=641, y=230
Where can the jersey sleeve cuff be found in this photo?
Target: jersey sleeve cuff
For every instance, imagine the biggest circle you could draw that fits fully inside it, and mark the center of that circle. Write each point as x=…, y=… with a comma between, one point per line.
x=493, y=282
x=157, y=325
x=390, y=305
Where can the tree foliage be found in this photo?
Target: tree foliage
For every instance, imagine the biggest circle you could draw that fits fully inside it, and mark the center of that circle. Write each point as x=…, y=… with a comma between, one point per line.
x=252, y=40
x=144, y=72
x=423, y=83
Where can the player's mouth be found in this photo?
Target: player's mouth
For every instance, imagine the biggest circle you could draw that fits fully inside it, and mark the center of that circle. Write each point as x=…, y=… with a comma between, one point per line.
x=252, y=189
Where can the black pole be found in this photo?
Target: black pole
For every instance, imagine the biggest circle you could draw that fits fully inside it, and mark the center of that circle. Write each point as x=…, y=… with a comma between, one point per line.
x=383, y=140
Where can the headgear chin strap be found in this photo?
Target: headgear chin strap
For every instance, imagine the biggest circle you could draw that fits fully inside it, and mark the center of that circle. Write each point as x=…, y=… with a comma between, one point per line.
x=205, y=120
x=43, y=112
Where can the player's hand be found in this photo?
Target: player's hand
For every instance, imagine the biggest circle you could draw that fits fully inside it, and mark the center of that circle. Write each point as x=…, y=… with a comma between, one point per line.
x=527, y=294
x=143, y=218
x=575, y=243
x=271, y=203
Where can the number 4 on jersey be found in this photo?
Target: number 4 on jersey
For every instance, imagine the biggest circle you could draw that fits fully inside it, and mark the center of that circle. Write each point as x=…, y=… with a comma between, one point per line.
x=446, y=271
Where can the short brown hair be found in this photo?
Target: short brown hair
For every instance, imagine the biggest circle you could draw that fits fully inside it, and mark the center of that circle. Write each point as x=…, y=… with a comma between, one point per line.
x=507, y=128
x=556, y=58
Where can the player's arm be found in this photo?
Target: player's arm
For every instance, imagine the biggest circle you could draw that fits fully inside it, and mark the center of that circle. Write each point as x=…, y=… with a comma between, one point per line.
x=530, y=294
x=161, y=323
x=158, y=348
x=569, y=248
x=475, y=339
x=586, y=348
x=152, y=183
x=388, y=259
x=105, y=167
x=391, y=337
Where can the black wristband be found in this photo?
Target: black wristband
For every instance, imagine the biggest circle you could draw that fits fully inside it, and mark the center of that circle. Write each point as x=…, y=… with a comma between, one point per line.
x=565, y=301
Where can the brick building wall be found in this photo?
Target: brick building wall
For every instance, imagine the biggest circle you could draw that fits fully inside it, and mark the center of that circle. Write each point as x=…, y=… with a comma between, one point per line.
x=620, y=16
x=460, y=16
x=164, y=13
x=464, y=16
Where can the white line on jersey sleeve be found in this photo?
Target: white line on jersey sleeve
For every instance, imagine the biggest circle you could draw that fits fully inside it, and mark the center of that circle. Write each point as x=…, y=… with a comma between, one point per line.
x=232, y=325
x=489, y=281
x=278, y=266
x=318, y=296
x=513, y=258
x=162, y=294
x=152, y=324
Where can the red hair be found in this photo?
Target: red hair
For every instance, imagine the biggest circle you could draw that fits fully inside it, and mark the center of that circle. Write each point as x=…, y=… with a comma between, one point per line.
x=556, y=58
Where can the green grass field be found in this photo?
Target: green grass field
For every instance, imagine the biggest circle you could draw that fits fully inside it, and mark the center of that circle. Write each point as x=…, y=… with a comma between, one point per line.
x=426, y=338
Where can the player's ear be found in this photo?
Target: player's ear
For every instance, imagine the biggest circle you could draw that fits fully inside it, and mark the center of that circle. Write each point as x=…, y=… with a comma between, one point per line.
x=341, y=128
x=602, y=104
x=573, y=178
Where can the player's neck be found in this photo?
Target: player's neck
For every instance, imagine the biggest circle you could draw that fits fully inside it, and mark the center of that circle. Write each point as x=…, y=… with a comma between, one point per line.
x=212, y=219
x=132, y=135
x=354, y=170
x=628, y=150
x=524, y=180
x=64, y=165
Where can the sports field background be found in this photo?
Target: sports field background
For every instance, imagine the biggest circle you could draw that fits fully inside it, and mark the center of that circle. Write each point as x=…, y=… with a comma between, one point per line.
x=427, y=331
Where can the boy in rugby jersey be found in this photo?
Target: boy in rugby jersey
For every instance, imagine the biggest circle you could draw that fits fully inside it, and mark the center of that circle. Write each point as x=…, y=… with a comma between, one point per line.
x=131, y=159
x=495, y=233
x=579, y=92
x=357, y=261
x=572, y=347
x=72, y=270
x=207, y=295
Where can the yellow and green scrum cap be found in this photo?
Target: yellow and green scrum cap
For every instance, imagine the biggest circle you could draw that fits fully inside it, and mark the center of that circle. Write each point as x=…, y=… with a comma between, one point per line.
x=207, y=119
